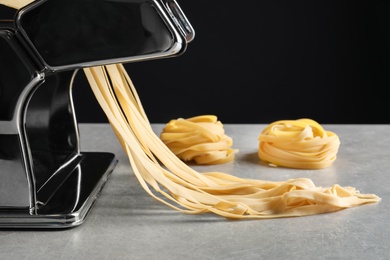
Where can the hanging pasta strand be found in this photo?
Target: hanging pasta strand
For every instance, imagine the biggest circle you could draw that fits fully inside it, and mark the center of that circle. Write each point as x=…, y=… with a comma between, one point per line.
x=16, y=4
x=161, y=171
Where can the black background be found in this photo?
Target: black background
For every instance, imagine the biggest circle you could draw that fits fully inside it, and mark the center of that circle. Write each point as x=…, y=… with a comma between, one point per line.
x=255, y=61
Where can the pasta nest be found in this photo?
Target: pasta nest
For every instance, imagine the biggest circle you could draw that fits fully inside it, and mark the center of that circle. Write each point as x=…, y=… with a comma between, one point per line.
x=201, y=139
x=301, y=143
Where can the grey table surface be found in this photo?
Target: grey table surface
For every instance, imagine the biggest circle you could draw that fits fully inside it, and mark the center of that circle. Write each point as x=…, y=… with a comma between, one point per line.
x=126, y=223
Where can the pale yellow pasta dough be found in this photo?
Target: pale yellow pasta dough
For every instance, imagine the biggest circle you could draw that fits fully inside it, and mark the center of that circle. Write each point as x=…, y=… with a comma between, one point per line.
x=201, y=139
x=184, y=189
x=169, y=180
x=16, y=4
x=301, y=143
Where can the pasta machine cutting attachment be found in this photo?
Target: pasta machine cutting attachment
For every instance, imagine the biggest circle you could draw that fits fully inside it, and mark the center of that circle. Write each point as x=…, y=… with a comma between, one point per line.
x=45, y=180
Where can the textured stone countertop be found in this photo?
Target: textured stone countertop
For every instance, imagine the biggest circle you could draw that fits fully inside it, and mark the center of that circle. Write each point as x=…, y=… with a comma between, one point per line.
x=126, y=223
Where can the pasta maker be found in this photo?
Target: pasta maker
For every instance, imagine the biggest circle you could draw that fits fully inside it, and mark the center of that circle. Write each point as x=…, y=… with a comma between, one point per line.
x=45, y=180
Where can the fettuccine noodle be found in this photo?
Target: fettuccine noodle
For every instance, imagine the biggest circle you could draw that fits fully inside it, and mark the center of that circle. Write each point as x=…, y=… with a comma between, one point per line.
x=169, y=180
x=201, y=139
x=299, y=143
x=192, y=192
x=16, y=4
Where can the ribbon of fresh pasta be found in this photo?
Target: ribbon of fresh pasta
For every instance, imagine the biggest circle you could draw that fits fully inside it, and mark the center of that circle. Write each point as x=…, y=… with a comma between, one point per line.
x=201, y=139
x=189, y=191
x=301, y=143
x=16, y=4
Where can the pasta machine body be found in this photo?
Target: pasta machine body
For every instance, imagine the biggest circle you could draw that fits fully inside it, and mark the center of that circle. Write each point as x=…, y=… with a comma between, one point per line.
x=46, y=181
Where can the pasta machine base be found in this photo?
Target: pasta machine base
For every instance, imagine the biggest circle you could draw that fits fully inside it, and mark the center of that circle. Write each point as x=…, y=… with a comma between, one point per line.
x=73, y=200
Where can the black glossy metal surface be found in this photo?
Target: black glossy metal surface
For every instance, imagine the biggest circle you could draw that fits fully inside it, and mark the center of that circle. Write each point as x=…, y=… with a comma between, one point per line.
x=70, y=204
x=75, y=33
x=94, y=30
x=17, y=78
x=16, y=73
x=51, y=128
x=45, y=180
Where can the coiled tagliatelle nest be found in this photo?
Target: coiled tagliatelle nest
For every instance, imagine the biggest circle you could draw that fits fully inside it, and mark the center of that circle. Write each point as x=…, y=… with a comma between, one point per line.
x=201, y=139
x=301, y=143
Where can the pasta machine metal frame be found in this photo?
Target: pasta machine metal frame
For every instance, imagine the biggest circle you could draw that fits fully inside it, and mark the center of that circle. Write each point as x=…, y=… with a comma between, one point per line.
x=45, y=180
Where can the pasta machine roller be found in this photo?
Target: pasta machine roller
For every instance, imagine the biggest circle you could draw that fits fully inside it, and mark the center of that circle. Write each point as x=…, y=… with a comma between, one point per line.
x=45, y=180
